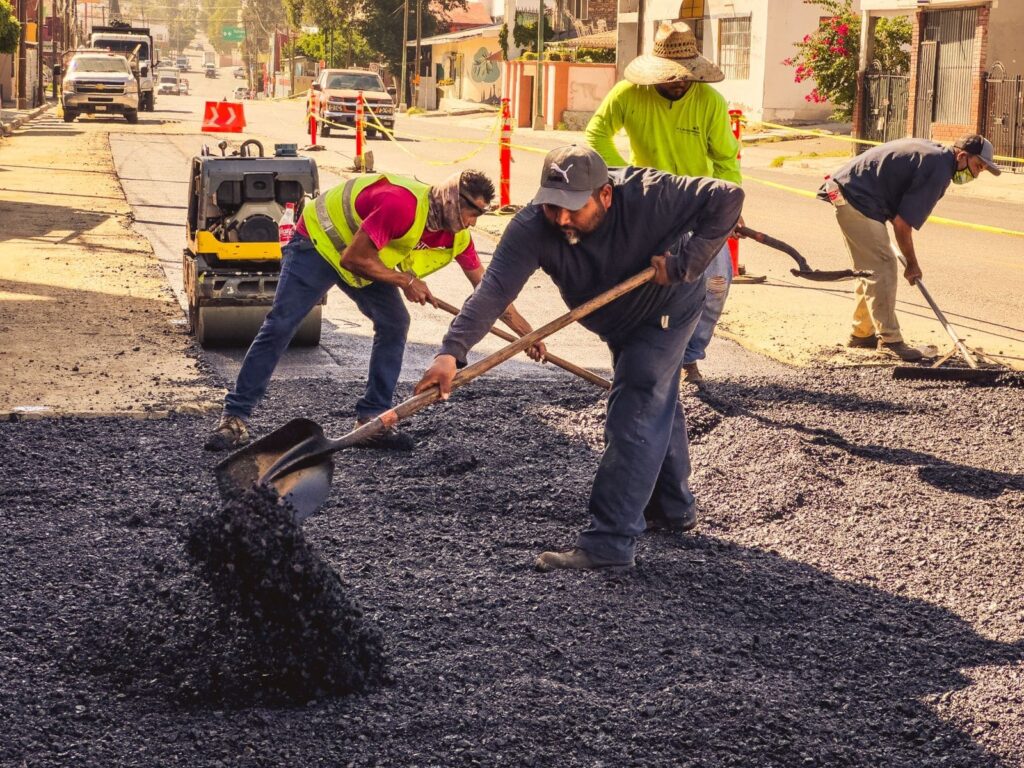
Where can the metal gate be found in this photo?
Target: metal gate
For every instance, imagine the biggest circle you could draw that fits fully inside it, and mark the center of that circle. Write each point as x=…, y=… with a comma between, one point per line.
x=924, y=103
x=1004, y=116
x=886, y=100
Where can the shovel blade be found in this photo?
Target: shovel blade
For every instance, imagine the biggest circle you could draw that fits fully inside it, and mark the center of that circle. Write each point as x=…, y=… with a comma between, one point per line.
x=829, y=275
x=244, y=468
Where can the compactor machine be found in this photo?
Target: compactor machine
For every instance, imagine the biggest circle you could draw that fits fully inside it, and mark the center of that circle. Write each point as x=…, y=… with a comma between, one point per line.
x=232, y=260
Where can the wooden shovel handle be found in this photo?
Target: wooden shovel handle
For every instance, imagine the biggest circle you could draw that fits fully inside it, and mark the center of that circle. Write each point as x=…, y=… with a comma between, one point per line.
x=565, y=365
x=418, y=402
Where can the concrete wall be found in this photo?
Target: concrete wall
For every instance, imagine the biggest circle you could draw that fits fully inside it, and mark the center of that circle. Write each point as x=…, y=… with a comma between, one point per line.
x=1006, y=37
x=474, y=65
x=572, y=91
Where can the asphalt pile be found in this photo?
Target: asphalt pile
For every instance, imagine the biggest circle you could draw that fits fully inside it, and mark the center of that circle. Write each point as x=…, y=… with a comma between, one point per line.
x=851, y=595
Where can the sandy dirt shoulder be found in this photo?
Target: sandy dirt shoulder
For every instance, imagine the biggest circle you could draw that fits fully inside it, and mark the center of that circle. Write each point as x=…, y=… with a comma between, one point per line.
x=88, y=325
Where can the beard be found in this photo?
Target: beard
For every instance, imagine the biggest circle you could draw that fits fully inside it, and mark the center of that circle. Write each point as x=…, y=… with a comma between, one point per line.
x=573, y=235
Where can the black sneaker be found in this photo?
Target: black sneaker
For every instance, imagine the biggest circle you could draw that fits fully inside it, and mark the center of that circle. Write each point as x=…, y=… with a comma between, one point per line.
x=388, y=440
x=902, y=351
x=231, y=433
x=863, y=342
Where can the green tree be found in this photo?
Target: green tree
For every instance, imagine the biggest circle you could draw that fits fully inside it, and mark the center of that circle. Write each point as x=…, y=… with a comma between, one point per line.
x=525, y=35
x=829, y=56
x=217, y=15
x=10, y=28
x=381, y=25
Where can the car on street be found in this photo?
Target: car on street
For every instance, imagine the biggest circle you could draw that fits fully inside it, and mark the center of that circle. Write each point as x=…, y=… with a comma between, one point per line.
x=99, y=82
x=211, y=70
x=239, y=73
x=168, y=82
x=332, y=98
x=241, y=92
x=183, y=87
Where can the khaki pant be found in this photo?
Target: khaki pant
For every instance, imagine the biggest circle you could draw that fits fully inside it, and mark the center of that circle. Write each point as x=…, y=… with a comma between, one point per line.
x=867, y=240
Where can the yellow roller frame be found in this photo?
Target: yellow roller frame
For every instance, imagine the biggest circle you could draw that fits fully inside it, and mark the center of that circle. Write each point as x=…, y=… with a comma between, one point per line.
x=205, y=242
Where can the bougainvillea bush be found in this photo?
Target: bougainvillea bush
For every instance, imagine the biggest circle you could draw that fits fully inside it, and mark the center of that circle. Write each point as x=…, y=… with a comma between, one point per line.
x=828, y=57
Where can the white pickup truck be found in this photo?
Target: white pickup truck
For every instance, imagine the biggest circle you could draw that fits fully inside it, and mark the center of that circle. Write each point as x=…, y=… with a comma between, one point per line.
x=168, y=81
x=99, y=82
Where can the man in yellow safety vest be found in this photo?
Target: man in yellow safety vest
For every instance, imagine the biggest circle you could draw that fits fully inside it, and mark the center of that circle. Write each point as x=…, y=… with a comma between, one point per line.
x=374, y=237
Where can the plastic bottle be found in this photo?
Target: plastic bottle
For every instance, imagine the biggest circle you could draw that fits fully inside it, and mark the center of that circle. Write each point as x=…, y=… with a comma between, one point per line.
x=286, y=226
x=834, y=192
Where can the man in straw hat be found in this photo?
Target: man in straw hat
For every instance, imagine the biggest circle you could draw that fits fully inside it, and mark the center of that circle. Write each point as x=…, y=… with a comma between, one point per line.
x=589, y=230
x=676, y=122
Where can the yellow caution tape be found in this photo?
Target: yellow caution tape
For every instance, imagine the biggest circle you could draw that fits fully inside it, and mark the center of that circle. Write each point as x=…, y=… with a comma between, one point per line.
x=852, y=140
x=937, y=219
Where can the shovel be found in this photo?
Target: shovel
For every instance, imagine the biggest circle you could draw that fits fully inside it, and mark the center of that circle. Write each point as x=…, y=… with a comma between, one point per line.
x=565, y=365
x=296, y=459
x=804, y=271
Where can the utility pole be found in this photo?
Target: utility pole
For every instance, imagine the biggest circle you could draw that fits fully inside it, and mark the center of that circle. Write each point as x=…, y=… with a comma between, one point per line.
x=403, y=82
x=40, y=94
x=22, y=56
x=538, y=85
x=416, y=58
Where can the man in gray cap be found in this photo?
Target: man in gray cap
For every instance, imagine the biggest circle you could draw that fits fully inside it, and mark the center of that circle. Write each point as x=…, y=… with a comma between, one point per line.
x=899, y=182
x=590, y=230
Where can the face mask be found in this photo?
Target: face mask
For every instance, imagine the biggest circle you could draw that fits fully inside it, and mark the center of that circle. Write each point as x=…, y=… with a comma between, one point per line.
x=963, y=177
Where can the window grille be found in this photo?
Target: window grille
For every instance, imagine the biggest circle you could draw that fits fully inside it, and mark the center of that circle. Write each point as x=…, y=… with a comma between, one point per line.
x=734, y=47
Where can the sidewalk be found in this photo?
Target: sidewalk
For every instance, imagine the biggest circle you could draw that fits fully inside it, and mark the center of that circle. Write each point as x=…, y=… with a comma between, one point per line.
x=12, y=119
x=88, y=326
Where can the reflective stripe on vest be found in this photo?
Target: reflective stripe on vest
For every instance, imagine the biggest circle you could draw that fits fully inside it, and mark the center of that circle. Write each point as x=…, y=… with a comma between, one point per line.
x=333, y=221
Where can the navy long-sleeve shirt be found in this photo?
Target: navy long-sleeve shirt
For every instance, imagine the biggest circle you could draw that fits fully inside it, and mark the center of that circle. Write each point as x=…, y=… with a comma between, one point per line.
x=649, y=213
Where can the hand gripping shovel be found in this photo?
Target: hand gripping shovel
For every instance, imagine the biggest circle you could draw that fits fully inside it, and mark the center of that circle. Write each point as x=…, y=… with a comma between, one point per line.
x=296, y=458
x=804, y=271
x=562, y=363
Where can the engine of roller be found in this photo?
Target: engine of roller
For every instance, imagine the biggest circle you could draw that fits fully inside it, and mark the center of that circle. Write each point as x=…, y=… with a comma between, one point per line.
x=250, y=210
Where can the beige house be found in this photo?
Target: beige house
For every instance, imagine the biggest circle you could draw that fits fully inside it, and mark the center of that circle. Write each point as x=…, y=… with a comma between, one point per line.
x=467, y=64
x=748, y=39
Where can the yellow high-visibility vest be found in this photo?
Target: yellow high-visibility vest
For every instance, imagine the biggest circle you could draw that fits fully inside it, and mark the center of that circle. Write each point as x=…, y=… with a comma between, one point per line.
x=331, y=221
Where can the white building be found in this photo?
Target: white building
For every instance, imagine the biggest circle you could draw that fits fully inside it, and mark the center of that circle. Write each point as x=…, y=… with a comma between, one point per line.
x=748, y=39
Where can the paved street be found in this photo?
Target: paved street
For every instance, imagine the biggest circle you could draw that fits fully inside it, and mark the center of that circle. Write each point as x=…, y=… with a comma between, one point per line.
x=850, y=595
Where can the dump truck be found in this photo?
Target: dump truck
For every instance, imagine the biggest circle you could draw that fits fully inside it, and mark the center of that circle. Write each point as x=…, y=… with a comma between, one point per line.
x=131, y=42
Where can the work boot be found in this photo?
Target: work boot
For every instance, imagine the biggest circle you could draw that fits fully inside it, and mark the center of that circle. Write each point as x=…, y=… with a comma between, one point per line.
x=657, y=520
x=900, y=350
x=231, y=433
x=579, y=560
x=692, y=374
x=863, y=342
x=388, y=440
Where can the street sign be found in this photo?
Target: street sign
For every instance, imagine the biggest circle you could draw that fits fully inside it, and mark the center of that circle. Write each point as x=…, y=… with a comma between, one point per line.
x=233, y=34
x=223, y=117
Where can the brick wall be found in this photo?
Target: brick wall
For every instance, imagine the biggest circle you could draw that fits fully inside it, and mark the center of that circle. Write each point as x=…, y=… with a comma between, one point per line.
x=948, y=132
x=915, y=43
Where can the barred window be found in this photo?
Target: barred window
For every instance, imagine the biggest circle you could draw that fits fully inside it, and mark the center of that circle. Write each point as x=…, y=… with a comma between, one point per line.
x=580, y=9
x=734, y=47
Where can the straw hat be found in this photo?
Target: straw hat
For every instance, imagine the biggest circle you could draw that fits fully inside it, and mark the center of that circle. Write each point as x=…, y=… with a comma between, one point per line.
x=675, y=57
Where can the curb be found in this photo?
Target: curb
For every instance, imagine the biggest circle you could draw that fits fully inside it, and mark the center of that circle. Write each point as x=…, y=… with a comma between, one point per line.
x=6, y=129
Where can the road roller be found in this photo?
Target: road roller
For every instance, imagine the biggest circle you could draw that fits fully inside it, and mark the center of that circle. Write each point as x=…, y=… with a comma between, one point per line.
x=232, y=258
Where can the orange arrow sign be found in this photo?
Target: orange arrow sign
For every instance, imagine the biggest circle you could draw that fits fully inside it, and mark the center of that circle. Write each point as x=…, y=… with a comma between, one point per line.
x=223, y=117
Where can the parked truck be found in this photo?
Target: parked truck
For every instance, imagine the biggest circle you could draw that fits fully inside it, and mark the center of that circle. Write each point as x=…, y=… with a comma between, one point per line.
x=136, y=44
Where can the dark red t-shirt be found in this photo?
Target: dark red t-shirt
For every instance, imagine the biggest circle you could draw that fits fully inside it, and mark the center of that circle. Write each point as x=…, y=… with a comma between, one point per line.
x=388, y=212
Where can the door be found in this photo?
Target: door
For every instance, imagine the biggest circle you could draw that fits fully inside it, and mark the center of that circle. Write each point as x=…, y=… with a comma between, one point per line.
x=924, y=102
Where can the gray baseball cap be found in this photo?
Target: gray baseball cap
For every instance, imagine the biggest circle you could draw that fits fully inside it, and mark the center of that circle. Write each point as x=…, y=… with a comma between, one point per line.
x=569, y=177
x=981, y=147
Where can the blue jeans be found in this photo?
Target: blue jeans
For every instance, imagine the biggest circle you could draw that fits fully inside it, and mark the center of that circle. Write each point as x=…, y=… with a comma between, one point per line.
x=647, y=453
x=305, y=278
x=717, y=279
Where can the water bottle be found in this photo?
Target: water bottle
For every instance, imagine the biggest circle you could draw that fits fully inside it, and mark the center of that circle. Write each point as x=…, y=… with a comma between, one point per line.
x=835, y=194
x=286, y=226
